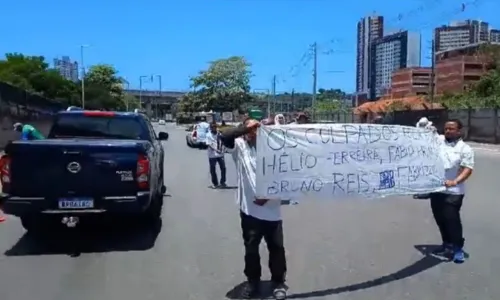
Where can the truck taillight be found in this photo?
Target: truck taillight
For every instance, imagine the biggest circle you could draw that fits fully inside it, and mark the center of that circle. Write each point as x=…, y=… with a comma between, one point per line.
x=142, y=172
x=194, y=134
x=5, y=169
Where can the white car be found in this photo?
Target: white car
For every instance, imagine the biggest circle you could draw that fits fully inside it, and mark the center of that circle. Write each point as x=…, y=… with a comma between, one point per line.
x=161, y=122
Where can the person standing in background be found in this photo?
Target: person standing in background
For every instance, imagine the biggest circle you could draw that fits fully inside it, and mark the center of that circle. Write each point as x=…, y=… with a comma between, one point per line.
x=2, y=215
x=216, y=156
x=459, y=163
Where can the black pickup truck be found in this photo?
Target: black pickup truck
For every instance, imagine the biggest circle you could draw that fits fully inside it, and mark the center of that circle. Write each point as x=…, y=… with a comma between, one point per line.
x=92, y=163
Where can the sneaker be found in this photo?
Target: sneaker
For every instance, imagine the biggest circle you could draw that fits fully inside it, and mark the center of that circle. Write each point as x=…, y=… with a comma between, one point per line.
x=459, y=256
x=444, y=251
x=215, y=186
x=279, y=291
x=250, y=290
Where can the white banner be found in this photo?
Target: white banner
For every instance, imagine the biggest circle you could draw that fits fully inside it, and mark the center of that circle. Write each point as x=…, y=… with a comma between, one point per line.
x=318, y=161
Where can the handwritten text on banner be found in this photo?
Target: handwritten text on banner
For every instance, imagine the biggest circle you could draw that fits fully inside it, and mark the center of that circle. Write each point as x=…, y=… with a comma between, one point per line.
x=317, y=161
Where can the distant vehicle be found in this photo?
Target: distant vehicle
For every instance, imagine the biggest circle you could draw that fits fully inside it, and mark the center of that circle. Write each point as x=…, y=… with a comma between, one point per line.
x=92, y=163
x=161, y=122
x=192, y=139
x=169, y=118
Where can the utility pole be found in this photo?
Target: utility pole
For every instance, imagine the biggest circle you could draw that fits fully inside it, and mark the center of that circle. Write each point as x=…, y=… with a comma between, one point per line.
x=140, y=88
x=274, y=94
x=293, y=100
x=158, y=100
x=83, y=74
x=315, y=76
x=432, y=79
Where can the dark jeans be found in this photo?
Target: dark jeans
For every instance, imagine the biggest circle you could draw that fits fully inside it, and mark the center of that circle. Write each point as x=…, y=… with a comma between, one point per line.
x=272, y=231
x=213, y=173
x=446, y=211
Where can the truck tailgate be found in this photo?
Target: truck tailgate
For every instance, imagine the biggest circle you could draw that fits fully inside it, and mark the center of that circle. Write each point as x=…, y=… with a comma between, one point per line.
x=61, y=167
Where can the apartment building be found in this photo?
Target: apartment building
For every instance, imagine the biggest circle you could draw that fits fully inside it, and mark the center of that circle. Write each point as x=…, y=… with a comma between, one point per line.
x=369, y=29
x=459, y=34
x=414, y=81
x=67, y=68
x=391, y=53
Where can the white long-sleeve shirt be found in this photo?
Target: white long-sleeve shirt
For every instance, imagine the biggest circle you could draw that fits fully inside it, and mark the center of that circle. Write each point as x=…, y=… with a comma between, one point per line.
x=245, y=160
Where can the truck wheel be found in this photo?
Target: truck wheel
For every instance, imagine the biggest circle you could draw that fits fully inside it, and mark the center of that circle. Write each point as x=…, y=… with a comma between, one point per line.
x=153, y=212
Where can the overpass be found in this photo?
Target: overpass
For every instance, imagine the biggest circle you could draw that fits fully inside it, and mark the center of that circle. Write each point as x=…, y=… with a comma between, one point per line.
x=156, y=97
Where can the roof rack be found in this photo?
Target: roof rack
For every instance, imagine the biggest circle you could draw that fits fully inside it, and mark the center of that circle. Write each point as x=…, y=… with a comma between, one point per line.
x=74, y=108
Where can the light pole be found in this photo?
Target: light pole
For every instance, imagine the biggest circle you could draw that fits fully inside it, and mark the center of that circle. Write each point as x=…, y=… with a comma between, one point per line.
x=157, y=100
x=83, y=74
x=125, y=81
x=140, y=88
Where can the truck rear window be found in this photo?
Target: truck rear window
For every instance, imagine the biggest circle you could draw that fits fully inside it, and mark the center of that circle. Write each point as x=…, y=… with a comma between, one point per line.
x=75, y=125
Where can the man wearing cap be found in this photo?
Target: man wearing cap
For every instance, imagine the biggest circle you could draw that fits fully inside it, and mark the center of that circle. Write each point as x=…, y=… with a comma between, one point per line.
x=28, y=132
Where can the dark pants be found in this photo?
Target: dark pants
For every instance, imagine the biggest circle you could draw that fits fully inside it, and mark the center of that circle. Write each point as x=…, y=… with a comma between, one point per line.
x=272, y=232
x=446, y=211
x=222, y=165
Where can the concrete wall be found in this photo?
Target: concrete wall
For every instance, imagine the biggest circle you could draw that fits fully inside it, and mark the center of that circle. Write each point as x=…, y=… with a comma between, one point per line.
x=8, y=134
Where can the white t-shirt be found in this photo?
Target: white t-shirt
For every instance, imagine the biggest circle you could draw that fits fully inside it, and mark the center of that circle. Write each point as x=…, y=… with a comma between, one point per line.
x=213, y=143
x=201, y=131
x=456, y=155
x=245, y=160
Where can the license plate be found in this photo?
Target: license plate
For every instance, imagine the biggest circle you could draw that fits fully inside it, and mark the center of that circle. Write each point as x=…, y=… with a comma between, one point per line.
x=76, y=203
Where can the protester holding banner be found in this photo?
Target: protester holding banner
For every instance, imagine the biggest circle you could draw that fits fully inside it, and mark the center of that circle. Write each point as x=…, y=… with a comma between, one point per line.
x=260, y=218
x=459, y=163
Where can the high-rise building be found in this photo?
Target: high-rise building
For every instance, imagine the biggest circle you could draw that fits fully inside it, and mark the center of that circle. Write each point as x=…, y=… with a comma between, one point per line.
x=369, y=29
x=495, y=35
x=391, y=53
x=460, y=34
x=67, y=68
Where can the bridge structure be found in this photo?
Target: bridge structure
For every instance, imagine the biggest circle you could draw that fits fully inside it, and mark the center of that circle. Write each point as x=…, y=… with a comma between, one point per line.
x=158, y=103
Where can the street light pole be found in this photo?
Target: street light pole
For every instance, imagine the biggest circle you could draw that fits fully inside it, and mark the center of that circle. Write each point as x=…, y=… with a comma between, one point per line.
x=140, y=88
x=157, y=101
x=83, y=74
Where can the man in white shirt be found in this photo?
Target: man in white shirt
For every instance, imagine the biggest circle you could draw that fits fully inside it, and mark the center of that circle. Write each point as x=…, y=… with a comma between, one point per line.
x=459, y=162
x=202, y=129
x=216, y=156
x=260, y=218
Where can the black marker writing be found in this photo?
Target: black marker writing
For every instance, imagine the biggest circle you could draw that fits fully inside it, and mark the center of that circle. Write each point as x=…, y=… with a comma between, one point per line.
x=284, y=186
x=284, y=163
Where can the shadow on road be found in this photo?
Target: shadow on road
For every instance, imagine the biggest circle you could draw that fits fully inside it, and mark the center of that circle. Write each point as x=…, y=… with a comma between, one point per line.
x=89, y=238
x=423, y=264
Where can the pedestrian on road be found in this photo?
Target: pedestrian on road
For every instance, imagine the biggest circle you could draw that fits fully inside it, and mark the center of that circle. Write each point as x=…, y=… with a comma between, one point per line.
x=216, y=156
x=260, y=218
x=459, y=163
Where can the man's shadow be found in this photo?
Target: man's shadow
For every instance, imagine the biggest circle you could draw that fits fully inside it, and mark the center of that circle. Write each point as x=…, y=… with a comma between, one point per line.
x=423, y=264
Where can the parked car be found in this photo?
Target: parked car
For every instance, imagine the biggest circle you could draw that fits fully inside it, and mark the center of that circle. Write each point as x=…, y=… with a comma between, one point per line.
x=92, y=163
x=161, y=122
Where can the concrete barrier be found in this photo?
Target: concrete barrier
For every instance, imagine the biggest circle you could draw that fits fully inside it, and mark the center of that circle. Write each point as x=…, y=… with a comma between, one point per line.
x=8, y=134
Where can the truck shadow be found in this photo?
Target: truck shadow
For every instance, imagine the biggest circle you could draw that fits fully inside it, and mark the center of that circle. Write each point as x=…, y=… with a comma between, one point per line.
x=89, y=238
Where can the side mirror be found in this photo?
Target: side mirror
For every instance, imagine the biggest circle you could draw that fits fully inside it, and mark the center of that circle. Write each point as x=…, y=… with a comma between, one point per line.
x=163, y=136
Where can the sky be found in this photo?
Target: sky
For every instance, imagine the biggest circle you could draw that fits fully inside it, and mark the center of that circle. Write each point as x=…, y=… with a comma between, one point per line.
x=178, y=38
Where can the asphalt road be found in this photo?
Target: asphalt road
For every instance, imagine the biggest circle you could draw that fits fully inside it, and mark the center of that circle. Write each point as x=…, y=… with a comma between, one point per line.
x=356, y=250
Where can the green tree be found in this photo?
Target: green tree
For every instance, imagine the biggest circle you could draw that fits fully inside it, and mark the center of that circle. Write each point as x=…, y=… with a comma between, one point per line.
x=104, y=88
x=224, y=86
